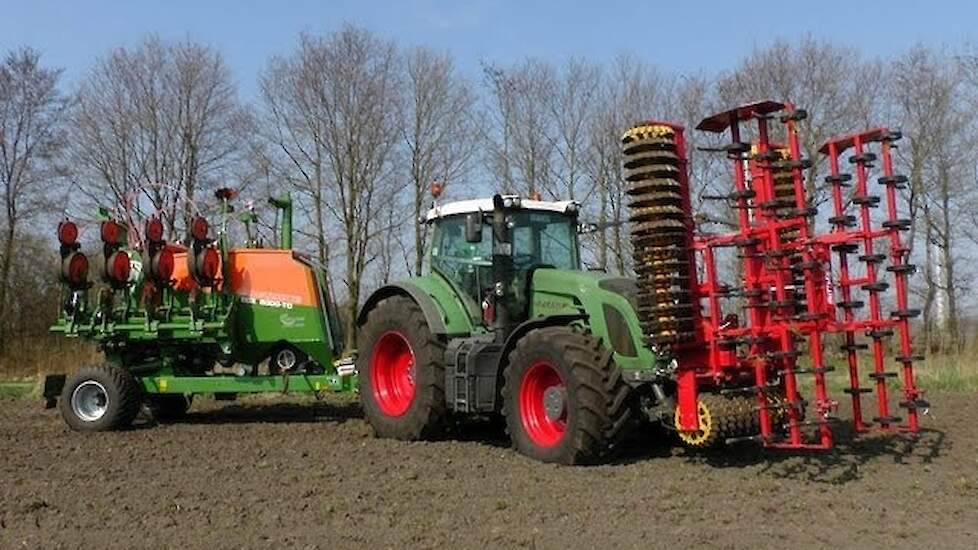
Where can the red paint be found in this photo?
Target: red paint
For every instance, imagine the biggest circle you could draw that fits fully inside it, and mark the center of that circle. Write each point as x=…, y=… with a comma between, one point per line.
x=111, y=232
x=117, y=267
x=199, y=228
x=765, y=346
x=392, y=373
x=76, y=268
x=210, y=263
x=542, y=430
x=154, y=230
x=67, y=233
x=163, y=264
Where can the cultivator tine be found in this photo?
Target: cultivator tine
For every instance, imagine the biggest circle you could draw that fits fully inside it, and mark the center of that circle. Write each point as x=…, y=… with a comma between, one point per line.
x=785, y=285
x=900, y=270
x=877, y=326
x=838, y=181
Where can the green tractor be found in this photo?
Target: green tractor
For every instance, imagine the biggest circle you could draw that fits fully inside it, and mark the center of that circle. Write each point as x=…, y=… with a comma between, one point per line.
x=508, y=323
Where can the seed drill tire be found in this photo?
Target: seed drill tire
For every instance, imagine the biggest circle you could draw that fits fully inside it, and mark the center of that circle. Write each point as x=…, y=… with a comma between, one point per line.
x=427, y=414
x=599, y=411
x=123, y=398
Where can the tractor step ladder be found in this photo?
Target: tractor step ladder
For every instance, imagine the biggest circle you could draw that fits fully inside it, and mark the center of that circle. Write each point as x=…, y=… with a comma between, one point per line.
x=470, y=365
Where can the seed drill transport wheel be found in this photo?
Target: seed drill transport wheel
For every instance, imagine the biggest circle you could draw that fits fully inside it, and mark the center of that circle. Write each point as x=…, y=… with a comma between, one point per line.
x=402, y=372
x=100, y=398
x=564, y=398
x=169, y=407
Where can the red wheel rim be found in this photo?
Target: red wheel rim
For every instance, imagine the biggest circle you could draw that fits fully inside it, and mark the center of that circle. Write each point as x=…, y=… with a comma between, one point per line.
x=543, y=429
x=392, y=373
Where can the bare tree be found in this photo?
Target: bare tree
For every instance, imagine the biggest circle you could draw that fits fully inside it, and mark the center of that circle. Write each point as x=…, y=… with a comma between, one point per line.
x=519, y=131
x=833, y=83
x=32, y=111
x=296, y=131
x=158, y=123
x=633, y=92
x=571, y=105
x=335, y=104
x=437, y=131
x=927, y=96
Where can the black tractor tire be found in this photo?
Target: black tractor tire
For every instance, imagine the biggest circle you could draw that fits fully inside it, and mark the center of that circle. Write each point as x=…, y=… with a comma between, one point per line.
x=100, y=398
x=596, y=401
x=394, y=330
x=168, y=407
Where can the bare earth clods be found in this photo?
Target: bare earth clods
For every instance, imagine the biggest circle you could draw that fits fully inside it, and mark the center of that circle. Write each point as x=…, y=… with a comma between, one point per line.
x=285, y=473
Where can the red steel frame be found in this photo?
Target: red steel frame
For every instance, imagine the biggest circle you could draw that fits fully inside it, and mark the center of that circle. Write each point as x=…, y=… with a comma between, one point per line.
x=778, y=328
x=876, y=326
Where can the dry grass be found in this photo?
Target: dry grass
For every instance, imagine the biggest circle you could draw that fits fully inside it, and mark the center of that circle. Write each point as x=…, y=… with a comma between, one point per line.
x=944, y=373
x=30, y=358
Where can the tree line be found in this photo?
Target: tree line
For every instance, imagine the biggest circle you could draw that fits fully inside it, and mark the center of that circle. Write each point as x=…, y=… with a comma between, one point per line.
x=357, y=128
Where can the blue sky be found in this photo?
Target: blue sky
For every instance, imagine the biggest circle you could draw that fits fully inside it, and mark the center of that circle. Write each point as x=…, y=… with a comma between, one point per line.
x=679, y=36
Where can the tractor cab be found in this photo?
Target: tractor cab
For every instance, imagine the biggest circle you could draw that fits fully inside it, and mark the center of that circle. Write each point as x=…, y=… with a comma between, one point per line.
x=478, y=243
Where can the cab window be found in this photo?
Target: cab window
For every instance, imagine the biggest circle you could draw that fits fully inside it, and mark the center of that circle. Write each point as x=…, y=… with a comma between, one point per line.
x=467, y=265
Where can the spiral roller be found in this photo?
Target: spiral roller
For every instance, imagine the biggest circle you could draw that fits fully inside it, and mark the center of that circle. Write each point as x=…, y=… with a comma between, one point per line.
x=657, y=216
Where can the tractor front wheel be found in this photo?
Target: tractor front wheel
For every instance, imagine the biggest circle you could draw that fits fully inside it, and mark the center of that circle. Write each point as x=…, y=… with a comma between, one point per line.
x=402, y=372
x=100, y=398
x=564, y=398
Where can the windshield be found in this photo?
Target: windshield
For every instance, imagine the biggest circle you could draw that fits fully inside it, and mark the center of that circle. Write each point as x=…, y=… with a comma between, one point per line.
x=544, y=239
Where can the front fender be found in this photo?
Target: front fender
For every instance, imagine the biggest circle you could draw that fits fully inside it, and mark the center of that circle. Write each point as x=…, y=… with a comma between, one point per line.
x=441, y=307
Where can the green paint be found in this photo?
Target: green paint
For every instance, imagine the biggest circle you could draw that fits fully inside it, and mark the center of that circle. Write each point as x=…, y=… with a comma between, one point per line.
x=284, y=203
x=451, y=306
x=158, y=344
x=552, y=292
x=297, y=383
x=258, y=328
x=556, y=292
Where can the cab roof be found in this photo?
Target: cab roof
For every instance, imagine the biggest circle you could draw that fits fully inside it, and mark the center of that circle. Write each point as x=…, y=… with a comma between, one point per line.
x=485, y=205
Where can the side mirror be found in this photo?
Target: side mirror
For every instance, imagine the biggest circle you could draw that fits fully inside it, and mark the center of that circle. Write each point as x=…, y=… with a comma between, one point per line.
x=473, y=227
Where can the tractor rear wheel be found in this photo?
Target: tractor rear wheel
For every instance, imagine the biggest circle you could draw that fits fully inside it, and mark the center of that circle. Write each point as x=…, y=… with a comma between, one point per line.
x=402, y=372
x=168, y=407
x=100, y=398
x=564, y=399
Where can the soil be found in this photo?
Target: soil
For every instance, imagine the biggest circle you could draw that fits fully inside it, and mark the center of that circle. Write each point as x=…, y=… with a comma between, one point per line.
x=292, y=473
